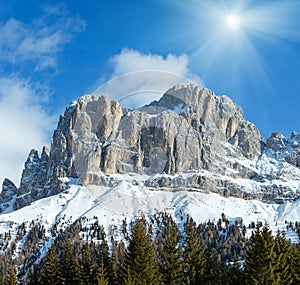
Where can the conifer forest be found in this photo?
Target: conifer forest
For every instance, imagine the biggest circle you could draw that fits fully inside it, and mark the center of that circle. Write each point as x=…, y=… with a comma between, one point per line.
x=152, y=251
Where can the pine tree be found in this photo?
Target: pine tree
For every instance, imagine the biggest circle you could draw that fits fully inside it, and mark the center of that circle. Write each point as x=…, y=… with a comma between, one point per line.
x=235, y=276
x=87, y=270
x=1, y=272
x=214, y=269
x=140, y=256
x=114, y=270
x=69, y=271
x=129, y=279
x=294, y=261
x=172, y=256
x=49, y=271
x=282, y=269
x=193, y=255
x=10, y=278
x=260, y=257
x=106, y=260
x=101, y=275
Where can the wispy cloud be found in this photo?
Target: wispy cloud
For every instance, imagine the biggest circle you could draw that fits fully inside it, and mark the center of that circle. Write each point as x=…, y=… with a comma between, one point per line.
x=24, y=124
x=38, y=41
x=137, y=78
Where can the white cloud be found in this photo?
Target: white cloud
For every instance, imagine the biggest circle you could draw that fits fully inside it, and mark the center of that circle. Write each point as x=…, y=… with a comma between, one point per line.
x=132, y=60
x=39, y=41
x=24, y=124
x=138, y=78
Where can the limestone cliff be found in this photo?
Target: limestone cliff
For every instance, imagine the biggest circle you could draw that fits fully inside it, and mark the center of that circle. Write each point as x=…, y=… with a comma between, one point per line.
x=189, y=130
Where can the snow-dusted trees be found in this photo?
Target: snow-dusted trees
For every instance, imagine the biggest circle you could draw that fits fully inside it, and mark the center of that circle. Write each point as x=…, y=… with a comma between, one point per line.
x=162, y=252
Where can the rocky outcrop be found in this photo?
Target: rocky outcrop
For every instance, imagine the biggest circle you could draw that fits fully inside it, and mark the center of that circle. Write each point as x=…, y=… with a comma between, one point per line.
x=188, y=130
x=286, y=149
x=33, y=180
x=35, y=171
x=184, y=130
x=9, y=192
x=217, y=116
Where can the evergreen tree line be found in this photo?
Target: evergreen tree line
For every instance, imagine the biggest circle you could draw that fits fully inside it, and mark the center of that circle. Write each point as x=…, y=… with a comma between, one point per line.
x=160, y=253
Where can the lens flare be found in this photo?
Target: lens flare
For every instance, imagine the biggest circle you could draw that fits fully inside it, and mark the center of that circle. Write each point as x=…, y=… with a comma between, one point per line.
x=233, y=21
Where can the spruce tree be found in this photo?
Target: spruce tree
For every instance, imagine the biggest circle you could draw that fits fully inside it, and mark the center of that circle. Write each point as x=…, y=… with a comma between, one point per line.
x=140, y=256
x=128, y=279
x=87, y=270
x=69, y=271
x=282, y=269
x=214, y=269
x=106, y=261
x=113, y=278
x=10, y=278
x=194, y=265
x=102, y=276
x=172, y=255
x=49, y=271
x=235, y=276
x=294, y=261
x=260, y=258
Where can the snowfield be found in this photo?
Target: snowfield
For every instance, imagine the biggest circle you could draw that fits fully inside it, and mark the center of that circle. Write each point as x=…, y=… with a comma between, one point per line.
x=129, y=199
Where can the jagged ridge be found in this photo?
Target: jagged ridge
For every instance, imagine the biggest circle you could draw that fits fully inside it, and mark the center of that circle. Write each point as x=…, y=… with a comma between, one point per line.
x=189, y=139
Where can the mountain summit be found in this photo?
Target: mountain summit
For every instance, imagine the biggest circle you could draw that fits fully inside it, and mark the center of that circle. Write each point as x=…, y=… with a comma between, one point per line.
x=190, y=139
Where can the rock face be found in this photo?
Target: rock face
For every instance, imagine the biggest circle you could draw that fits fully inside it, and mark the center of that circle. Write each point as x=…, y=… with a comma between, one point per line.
x=283, y=148
x=183, y=131
x=214, y=116
x=189, y=130
x=9, y=191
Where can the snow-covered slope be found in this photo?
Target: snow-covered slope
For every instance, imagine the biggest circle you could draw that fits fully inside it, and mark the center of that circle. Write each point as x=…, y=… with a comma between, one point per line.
x=190, y=153
x=129, y=200
x=189, y=139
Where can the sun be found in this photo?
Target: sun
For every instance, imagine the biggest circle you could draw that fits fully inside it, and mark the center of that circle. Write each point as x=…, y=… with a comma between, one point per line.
x=233, y=21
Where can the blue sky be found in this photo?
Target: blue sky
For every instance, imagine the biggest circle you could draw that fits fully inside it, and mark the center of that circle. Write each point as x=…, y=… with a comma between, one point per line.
x=52, y=52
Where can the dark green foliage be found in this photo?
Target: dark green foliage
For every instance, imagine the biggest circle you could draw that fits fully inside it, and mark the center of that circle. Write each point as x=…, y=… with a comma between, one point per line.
x=105, y=260
x=113, y=270
x=10, y=278
x=50, y=269
x=234, y=276
x=34, y=276
x=69, y=270
x=102, y=275
x=195, y=263
x=140, y=256
x=128, y=279
x=172, y=257
x=214, y=269
x=281, y=264
x=87, y=268
x=154, y=253
x=294, y=261
x=259, y=268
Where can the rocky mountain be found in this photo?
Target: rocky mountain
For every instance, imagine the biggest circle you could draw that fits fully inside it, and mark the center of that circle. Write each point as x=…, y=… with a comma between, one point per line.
x=190, y=139
x=191, y=153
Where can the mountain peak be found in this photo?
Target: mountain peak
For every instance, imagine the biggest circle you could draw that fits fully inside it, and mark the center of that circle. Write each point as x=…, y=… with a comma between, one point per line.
x=196, y=138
